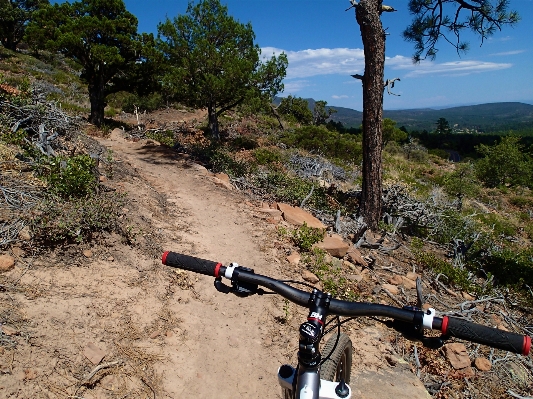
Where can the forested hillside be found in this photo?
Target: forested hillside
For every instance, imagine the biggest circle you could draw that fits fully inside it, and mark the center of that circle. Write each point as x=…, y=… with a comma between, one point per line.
x=483, y=118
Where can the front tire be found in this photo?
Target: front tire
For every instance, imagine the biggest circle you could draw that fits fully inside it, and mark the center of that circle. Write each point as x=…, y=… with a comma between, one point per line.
x=339, y=364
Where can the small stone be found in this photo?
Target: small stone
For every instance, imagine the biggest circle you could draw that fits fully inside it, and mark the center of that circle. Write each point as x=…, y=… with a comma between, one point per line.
x=412, y=276
x=496, y=319
x=457, y=355
x=294, y=258
x=391, y=288
x=249, y=203
x=354, y=277
x=169, y=334
x=270, y=212
x=310, y=277
x=87, y=253
x=467, y=296
x=482, y=364
x=18, y=252
x=8, y=330
x=349, y=265
x=111, y=382
x=6, y=263
x=125, y=210
x=408, y=283
x=93, y=353
x=29, y=374
x=298, y=216
x=102, y=179
x=223, y=176
x=25, y=234
x=110, y=259
x=334, y=245
x=426, y=306
x=155, y=334
x=502, y=327
x=395, y=280
x=465, y=372
x=355, y=256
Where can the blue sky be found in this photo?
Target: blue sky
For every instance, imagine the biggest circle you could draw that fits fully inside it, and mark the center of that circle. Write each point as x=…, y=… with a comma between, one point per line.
x=324, y=48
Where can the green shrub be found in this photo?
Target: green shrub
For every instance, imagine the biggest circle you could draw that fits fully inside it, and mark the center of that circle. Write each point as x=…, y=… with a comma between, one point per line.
x=440, y=153
x=521, y=201
x=266, y=156
x=498, y=226
x=222, y=161
x=461, y=182
x=16, y=138
x=128, y=101
x=70, y=177
x=293, y=189
x=304, y=236
x=318, y=139
x=165, y=137
x=77, y=219
x=456, y=276
x=243, y=143
x=510, y=266
x=504, y=163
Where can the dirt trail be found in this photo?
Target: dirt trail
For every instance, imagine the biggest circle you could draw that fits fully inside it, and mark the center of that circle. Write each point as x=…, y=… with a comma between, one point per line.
x=164, y=333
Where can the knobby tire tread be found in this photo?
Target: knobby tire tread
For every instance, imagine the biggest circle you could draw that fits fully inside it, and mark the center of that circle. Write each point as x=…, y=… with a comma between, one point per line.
x=328, y=371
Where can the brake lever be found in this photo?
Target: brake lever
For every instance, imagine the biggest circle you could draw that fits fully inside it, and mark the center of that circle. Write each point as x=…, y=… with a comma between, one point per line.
x=239, y=289
x=221, y=287
x=412, y=334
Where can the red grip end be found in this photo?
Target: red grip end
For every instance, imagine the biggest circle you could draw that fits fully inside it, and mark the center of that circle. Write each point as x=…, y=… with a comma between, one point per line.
x=164, y=258
x=217, y=269
x=527, y=345
x=444, y=327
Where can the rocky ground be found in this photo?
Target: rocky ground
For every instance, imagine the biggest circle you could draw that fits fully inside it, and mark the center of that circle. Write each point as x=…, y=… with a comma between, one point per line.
x=107, y=320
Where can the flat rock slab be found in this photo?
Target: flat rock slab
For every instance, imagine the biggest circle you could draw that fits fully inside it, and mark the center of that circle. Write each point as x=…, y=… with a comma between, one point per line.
x=298, y=216
x=333, y=245
x=395, y=383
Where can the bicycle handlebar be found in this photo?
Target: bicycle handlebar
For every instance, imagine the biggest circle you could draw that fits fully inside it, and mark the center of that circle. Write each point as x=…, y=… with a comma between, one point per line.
x=449, y=326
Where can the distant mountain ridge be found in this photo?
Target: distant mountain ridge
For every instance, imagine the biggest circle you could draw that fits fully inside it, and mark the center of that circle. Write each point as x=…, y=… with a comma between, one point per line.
x=483, y=118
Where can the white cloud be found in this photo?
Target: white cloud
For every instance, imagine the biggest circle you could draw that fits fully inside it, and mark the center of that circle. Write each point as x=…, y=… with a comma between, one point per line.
x=455, y=68
x=294, y=86
x=323, y=61
x=346, y=61
x=336, y=97
x=513, y=52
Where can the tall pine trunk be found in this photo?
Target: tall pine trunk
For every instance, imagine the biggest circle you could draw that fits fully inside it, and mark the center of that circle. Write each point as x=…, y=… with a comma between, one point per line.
x=213, y=121
x=368, y=14
x=97, y=98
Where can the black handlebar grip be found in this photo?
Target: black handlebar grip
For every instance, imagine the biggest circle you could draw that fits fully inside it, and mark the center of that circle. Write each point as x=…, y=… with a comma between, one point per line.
x=186, y=262
x=480, y=334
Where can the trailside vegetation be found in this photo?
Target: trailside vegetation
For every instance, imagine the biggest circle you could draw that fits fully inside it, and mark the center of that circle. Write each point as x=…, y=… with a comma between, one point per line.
x=100, y=35
x=214, y=62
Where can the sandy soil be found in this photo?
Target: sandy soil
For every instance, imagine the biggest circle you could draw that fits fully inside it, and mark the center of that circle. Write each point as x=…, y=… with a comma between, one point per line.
x=162, y=333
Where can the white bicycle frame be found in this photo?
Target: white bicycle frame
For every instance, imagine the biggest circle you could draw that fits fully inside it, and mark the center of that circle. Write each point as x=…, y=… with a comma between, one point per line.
x=286, y=376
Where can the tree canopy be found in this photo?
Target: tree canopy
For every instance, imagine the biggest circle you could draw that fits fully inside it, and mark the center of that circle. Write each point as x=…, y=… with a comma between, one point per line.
x=443, y=126
x=214, y=62
x=448, y=19
x=14, y=16
x=101, y=35
x=296, y=109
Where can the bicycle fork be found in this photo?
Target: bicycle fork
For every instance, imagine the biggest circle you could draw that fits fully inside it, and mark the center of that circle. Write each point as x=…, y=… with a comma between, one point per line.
x=304, y=382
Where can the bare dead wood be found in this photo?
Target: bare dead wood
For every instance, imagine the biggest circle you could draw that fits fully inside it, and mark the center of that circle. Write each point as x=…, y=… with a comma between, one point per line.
x=465, y=303
x=515, y=395
x=103, y=366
